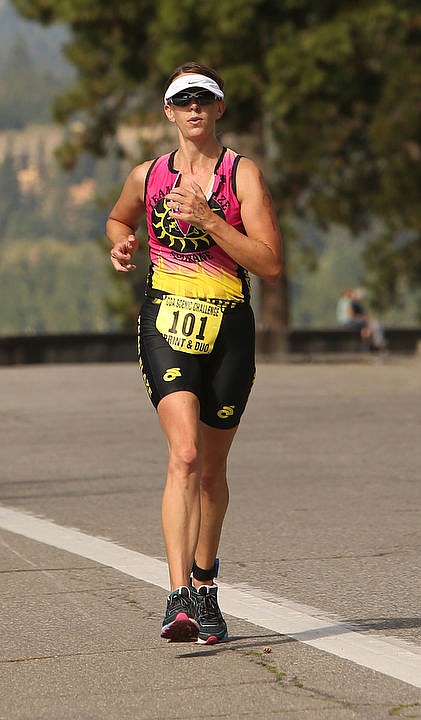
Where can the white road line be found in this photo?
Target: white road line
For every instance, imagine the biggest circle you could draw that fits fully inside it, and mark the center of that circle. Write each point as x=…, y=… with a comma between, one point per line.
x=391, y=657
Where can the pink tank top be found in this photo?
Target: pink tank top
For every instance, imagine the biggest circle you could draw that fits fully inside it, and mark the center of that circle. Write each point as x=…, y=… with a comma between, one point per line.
x=185, y=260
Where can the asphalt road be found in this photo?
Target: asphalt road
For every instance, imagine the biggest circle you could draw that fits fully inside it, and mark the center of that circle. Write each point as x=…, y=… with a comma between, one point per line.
x=325, y=481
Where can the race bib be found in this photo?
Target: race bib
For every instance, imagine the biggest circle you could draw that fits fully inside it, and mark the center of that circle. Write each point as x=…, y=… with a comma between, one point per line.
x=189, y=325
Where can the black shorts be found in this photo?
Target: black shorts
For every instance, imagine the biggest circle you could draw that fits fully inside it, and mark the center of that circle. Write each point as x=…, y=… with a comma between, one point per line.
x=222, y=379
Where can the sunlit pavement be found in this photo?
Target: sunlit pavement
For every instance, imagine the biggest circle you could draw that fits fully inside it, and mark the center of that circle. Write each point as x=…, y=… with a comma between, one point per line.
x=324, y=516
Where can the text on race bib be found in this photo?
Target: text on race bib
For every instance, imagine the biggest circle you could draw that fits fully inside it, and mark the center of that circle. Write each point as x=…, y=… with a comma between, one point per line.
x=188, y=324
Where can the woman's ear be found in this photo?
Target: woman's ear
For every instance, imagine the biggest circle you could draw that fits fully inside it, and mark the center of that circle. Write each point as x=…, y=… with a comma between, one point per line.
x=169, y=112
x=221, y=109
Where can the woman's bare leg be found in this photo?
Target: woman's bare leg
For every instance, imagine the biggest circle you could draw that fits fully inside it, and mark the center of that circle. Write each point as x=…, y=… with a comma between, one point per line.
x=214, y=494
x=179, y=417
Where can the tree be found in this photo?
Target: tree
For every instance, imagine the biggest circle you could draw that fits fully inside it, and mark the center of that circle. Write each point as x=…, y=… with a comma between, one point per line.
x=347, y=117
x=10, y=195
x=329, y=92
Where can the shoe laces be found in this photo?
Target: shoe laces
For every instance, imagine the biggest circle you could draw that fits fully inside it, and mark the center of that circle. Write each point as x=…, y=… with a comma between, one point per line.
x=209, y=603
x=178, y=598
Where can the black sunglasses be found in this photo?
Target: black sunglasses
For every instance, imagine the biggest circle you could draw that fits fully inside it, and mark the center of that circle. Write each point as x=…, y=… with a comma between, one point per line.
x=202, y=97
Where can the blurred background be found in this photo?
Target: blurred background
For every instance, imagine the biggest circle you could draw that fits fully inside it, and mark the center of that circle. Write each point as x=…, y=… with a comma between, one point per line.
x=325, y=96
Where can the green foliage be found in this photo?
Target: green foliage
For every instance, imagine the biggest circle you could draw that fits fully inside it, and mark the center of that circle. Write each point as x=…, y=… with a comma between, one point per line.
x=347, y=93
x=394, y=267
x=47, y=206
x=52, y=286
x=315, y=292
x=54, y=275
x=9, y=191
x=331, y=91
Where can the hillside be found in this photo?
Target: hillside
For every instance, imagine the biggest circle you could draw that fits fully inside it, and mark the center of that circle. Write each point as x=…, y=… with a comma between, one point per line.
x=32, y=69
x=43, y=44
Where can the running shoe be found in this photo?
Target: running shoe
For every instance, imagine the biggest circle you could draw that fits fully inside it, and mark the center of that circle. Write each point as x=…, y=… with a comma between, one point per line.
x=212, y=626
x=180, y=623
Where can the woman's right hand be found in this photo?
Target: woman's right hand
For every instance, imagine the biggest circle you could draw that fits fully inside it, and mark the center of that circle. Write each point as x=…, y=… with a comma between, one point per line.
x=122, y=254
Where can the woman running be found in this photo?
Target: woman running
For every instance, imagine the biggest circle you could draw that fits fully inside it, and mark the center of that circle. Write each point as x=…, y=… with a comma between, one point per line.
x=210, y=222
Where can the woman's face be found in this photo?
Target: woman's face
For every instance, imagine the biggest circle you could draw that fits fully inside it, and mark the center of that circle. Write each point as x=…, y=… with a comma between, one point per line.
x=196, y=117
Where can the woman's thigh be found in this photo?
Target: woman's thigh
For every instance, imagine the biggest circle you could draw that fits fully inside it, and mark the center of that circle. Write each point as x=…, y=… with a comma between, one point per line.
x=230, y=371
x=165, y=370
x=221, y=380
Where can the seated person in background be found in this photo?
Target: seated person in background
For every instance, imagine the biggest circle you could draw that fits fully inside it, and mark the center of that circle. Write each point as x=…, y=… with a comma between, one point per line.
x=344, y=311
x=351, y=313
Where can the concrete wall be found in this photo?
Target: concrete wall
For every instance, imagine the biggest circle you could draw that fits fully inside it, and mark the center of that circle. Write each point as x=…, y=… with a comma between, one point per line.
x=121, y=347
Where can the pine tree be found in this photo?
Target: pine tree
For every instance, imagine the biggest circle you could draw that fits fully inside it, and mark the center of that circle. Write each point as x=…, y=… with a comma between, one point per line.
x=329, y=92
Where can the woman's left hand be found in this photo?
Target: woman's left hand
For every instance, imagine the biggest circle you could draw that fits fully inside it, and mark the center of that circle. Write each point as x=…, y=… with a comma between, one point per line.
x=189, y=205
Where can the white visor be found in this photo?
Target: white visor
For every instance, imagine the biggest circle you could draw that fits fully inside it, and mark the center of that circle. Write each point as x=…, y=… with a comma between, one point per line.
x=185, y=82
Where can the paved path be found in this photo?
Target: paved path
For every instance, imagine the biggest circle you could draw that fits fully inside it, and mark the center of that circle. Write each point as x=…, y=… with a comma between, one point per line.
x=321, y=550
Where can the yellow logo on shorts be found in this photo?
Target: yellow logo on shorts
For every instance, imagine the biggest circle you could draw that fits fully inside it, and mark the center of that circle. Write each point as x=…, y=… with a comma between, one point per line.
x=226, y=412
x=171, y=374
x=145, y=379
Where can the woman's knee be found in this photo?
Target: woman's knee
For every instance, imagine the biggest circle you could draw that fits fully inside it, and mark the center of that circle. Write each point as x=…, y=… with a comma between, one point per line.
x=213, y=478
x=185, y=457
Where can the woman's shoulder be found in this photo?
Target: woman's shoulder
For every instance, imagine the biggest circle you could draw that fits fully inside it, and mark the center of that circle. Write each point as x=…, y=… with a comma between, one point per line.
x=243, y=162
x=138, y=176
x=242, y=165
x=140, y=171
x=143, y=168
x=249, y=177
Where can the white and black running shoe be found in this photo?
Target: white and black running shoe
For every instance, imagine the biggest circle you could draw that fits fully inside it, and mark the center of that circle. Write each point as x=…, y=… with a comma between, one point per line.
x=212, y=626
x=180, y=621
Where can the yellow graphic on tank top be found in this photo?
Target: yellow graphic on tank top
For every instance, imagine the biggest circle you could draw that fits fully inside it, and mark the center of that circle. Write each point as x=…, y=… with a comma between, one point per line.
x=179, y=235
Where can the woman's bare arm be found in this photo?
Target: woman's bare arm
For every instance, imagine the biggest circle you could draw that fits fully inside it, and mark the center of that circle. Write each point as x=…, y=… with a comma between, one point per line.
x=124, y=219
